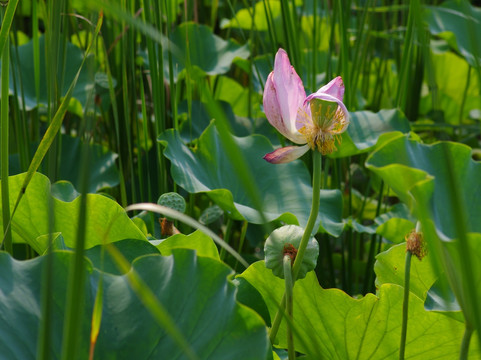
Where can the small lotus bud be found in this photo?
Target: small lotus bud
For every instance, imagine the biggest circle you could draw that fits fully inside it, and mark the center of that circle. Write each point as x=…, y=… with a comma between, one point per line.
x=415, y=244
x=285, y=241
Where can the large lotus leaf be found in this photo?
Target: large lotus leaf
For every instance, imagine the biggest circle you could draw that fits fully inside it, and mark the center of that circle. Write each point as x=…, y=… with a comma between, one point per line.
x=452, y=77
x=243, y=18
x=395, y=229
x=467, y=296
x=410, y=167
x=237, y=96
x=102, y=171
x=200, y=120
x=420, y=174
x=64, y=190
x=194, y=291
x=207, y=51
x=440, y=297
x=130, y=249
x=365, y=129
x=198, y=241
x=333, y=325
x=461, y=20
x=285, y=188
x=106, y=220
x=392, y=225
x=25, y=74
x=390, y=265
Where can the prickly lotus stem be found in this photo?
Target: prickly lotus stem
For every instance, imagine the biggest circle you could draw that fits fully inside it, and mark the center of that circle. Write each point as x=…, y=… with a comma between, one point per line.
x=285, y=241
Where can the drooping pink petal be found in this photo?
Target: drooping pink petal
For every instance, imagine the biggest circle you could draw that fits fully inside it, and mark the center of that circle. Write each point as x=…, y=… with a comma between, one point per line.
x=335, y=87
x=286, y=154
x=290, y=95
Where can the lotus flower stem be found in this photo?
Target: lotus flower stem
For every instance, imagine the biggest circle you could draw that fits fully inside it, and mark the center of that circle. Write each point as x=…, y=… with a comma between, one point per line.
x=289, y=305
x=316, y=199
x=468, y=331
x=407, y=271
x=414, y=246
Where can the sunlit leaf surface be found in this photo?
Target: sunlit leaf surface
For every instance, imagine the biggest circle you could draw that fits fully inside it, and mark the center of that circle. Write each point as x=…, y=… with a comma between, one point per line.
x=106, y=220
x=333, y=325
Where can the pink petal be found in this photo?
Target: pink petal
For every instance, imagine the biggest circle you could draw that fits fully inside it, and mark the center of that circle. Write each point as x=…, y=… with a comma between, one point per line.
x=334, y=88
x=273, y=112
x=272, y=107
x=286, y=154
x=290, y=95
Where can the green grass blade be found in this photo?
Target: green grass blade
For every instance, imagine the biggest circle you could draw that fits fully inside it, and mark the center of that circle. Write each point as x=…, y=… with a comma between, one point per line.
x=7, y=23
x=4, y=149
x=115, y=114
x=407, y=55
x=344, y=51
x=4, y=34
x=97, y=315
x=54, y=127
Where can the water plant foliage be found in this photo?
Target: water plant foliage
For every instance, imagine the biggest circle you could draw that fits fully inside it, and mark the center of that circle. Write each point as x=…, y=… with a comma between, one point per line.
x=370, y=116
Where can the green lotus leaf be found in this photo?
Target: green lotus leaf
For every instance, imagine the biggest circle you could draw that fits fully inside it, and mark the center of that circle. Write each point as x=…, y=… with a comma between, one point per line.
x=392, y=225
x=395, y=229
x=130, y=249
x=329, y=324
x=106, y=219
x=102, y=168
x=411, y=168
x=467, y=296
x=208, y=52
x=237, y=96
x=216, y=327
x=440, y=297
x=25, y=74
x=421, y=176
x=366, y=128
x=389, y=269
x=458, y=92
x=243, y=18
x=198, y=241
x=64, y=191
x=285, y=189
x=462, y=21
x=200, y=120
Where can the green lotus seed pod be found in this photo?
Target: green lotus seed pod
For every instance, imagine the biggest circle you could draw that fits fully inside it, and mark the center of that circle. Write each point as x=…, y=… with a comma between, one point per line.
x=211, y=215
x=285, y=241
x=172, y=200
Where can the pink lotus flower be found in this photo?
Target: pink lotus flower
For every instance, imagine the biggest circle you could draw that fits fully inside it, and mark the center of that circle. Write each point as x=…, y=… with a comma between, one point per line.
x=313, y=121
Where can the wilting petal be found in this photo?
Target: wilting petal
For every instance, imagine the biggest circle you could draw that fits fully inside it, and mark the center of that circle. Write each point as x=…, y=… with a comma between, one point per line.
x=334, y=88
x=290, y=95
x=286, y=154
x=342, y=116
